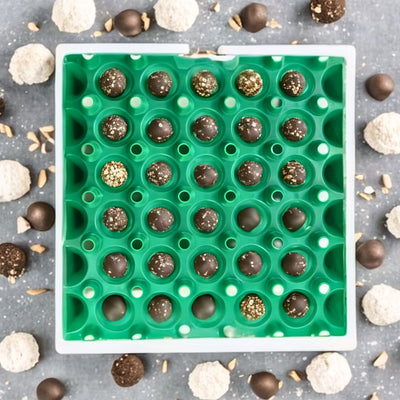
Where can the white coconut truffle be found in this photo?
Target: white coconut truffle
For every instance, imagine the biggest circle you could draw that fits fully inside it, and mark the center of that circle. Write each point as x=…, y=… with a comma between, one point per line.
x=30, y=64
x=381, y=305
x=15, y=180
x=19, y=352
x=383, y=133
x=176, y=15
x=393, y=221
x=329, y=373
x=74, y=16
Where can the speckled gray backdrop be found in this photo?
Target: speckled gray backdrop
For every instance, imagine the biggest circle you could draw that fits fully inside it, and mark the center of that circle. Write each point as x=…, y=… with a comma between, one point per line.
x=371, y=25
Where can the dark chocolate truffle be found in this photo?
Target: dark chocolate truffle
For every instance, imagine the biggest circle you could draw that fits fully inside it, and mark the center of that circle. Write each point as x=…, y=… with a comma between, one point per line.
x=294, y=173
x=160, y=308
x=159, y=173
x=206, y=219
x=160, y=130
x=161, y=265
x=115, y=219
x=380, y=86
x=127, y=370
x=252, y=307
x=205, y=175
x=114, y=308
x=115, y=265
x=327, y=11
x=114, y=173
x=293, y=83
x=249, y=129
x=254, y=17
x=248, y=219
x=12, y=261
x=2, y=106
x=112, y=82
x=50, y=389
x=370, y=254
x=206, y=265
x=250, y=263
x=41, y=216
x=159, y=83
x=294, y=219
x=264, y=385
x=204, y=83
x=114, y=127
x=296, y=305
x=128, y=23
x=294, y=129
x=249, y=83
x=294, y=264
x=250, y=173
x=205, y=128
x=160, y=219
x=204, y=307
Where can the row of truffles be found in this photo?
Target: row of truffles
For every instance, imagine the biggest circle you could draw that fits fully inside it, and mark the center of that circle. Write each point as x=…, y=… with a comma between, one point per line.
x=204, y=83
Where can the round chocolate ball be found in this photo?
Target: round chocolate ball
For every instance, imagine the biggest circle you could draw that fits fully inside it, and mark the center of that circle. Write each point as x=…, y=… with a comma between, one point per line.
x=127, y=370
x=114, y=308
x=252, y=307
x=294, y=264
x=248, y=219
x=114, y=173
x=114, y=128
x=254, y=17
x=370, y=254
x=41, y=216
x=204, y=307
x=249, y=129
x=159, y=173
x=160, y=219
x=294, y=129
x=206, y=265
x=264, y=385
x=159, y=83
x=128, y=23
x=294, y=219
x=115, y=219
x=160, y=308
x=160, y=130
x=115, y=265
x=250, y=173
x=294, y=173
x=204, y=83
x=249, y=83
x=293, y=83
x=206, y=220
x=50, y=389
x=12, y=261
x=161, y=265
x=112, y=82
x=205, y=175
x=380, y=86
x=205, y=128
x=250, y=263
x=328, y=11
x=296, y=305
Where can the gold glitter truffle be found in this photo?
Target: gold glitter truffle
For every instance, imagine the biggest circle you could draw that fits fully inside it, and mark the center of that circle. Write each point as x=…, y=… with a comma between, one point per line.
x=249, y=82
x=252, y=307
x=114, y=173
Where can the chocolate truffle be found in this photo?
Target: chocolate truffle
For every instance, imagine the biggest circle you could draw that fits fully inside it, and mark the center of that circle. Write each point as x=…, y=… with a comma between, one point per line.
x=264, y=385
x=127, y=370
x=252, y=307
x=114, y=173
x=249, y=129
x=205, y=128
x=380, y=86
x=160, y=130
x=50, y=389
x=294, y=264
x=327, y=11
x=206, y=265
x=249, y=83
x=160, y=308
x=112, y=82
x=160, y=219
x=248, y=219
x=114, y=128
x=205, y=175
x=12, y=261
x=206, y=220
x=204, y=307
x=115, y=265
x=294, y=219
x=114, y=308
x=204, y=83
x=370, y=254
x=293, y=173
x=159, y=173
x=250, y=263
x=115, y=219
x=161, y=265
x=294, y=129
x=250, y=173
x=41, y=216
x=128, y=23
x=254, y=17
x=296, y=305
x=159, y=83
x=293, y=83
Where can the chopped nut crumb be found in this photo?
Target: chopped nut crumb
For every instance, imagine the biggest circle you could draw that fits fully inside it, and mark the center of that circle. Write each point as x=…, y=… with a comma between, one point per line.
x=365, y=196
x=97, y=34
x=359, y=177
x=146, y=22
x=296, y=375
x=385, y=190
x=109, y=25
x=374, y=396
x=36, y=292
x=370, y=190
x=295, y=41
x=381, y=360
x=33, y=137
x=232, y=364
x=52, y=169
x=216, y=7
x=6, y=129
x=387, y=181
x=43, y=148
x=32, y=26
x=48, y=132
x=33, y=147
x=280, y=384
x=357, y=236
x=38, y=248
x=23, y=225
x=359, y=284
x=273, y=24
x=164, y=366
x=42, y=178
x=234, y=25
